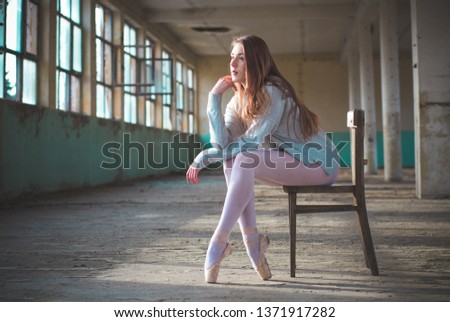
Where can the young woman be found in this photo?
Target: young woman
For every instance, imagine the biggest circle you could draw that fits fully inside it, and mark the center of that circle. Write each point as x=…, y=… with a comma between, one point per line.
x=266, y=134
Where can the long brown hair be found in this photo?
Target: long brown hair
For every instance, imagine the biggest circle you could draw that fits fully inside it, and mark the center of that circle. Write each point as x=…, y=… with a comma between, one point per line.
x=261, y=70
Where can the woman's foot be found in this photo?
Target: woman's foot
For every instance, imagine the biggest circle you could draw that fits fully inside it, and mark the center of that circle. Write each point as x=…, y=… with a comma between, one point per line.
x=212, y=272
x=262, y=268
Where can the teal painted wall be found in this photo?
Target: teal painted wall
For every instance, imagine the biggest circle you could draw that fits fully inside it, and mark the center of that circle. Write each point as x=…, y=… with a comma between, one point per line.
x=46, y=150
x=407, y=138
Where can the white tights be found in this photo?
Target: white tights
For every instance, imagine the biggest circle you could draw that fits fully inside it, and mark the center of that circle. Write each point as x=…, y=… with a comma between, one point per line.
x=272, y=167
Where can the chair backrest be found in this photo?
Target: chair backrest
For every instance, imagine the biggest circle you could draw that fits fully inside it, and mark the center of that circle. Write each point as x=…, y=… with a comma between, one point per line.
x=355, y=121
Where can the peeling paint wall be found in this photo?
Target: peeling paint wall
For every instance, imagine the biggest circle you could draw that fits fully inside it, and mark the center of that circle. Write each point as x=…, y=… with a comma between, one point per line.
x=431, y=74
x=434, y=150
x=46, y=150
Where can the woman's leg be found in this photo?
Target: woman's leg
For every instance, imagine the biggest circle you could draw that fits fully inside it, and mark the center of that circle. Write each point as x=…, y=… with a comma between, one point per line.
x=247, y=224
x=269, y=166
x=247, y=220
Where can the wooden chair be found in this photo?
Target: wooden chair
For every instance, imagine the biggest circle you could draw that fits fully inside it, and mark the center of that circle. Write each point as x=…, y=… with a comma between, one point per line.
x=355, y=121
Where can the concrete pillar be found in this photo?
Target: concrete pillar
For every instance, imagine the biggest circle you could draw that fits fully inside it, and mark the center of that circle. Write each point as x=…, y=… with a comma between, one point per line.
x=47, y=57
x=390, y=91
x=431, y=74
x=88, y=83
x=368, y=94
x=354, y=93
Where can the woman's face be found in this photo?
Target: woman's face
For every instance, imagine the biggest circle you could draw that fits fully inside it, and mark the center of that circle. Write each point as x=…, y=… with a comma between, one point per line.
x=238, y=65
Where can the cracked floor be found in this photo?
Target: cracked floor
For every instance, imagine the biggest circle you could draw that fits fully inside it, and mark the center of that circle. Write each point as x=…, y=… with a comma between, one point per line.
x=146, y=240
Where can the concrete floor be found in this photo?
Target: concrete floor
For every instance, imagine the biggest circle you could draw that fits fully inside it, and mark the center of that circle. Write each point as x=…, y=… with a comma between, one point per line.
x=146, y=240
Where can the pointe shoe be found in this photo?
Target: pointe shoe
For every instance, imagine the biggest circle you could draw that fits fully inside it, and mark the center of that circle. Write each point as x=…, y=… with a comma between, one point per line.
x=212, y=273
x=263, y=269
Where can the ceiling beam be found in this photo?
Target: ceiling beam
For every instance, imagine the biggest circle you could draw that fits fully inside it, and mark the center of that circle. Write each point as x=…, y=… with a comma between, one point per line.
x=272, y=13
x=366, y=11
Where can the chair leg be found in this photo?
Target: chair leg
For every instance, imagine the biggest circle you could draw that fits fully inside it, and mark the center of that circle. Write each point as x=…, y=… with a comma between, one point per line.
x=366, y=238
x=292, y=229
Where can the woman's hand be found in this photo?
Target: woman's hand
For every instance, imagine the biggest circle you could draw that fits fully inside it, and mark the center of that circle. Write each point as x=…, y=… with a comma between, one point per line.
x=222, y=85
x=192, y=175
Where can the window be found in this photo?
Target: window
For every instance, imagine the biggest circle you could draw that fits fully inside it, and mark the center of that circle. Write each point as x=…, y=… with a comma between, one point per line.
x=19, y=52
x=130, y=74
x=104, y=62
x=150, y=99
x=166, y=87
x=69, y=56
x=180, y=95
x=190, y=100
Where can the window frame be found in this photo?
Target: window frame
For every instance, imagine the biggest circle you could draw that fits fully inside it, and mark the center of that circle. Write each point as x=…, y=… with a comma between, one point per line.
x=190, y=99
x=21, y=55
x=130, y=92
x=149, y=78
x=167, y=81
x=180, y=94
x=105, y=85
x=74, y=77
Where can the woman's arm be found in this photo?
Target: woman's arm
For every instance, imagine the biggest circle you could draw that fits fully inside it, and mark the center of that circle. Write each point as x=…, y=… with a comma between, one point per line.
x=266, y=124
x=222, y=130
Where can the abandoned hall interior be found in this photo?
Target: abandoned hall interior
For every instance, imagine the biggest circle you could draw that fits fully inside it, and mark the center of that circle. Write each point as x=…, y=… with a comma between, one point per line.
x=103, y=108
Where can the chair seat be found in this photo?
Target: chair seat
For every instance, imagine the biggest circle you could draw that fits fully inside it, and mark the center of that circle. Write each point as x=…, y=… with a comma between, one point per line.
x=336, y=188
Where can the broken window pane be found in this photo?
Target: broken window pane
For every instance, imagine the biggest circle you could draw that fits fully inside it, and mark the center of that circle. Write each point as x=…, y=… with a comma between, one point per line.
x=99, y=60
x=108, y=26
x=108, y=102
x=190, y=100
x=103, y=61
x=32, y=28
x=11, y=76
x=75, y=101
x=133, y=76
x=179, y=126
x=108, y=64
x=127, y=72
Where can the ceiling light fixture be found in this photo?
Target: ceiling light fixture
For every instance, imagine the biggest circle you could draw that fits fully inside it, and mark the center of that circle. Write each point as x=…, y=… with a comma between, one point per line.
x=211, y=29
